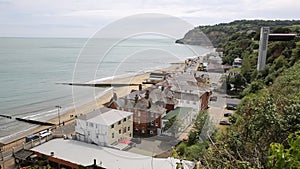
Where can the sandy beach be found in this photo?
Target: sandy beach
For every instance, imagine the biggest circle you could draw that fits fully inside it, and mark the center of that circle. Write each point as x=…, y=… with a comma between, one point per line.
x=68, y=116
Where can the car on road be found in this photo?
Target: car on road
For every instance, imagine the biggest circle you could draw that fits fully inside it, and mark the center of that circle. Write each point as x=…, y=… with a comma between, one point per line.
x=31, y=138
x=227, y=114
x=224, y=122
x=213, y=98
x=231, y=106
x=44, y=133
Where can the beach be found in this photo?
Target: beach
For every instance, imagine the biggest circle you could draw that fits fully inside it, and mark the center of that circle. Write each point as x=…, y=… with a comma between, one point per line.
x=70, y=115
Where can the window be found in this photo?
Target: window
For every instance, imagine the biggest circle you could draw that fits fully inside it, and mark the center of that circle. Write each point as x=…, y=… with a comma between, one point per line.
x=129, y=117
x=112, y=135
x=143, y=130
x=124, y=119
x=91, y=124
x=139, y=121
x=124, y=130
x=156, y=124
x=97, y=136
x=119, y=122
x=128, y=128
x=120, y=131
x=139, y=114
x=112, y=126
x=152, y=123
x=129, y=134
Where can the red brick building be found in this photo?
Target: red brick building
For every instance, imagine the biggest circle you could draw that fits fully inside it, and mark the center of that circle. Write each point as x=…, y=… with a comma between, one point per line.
x=146, y=114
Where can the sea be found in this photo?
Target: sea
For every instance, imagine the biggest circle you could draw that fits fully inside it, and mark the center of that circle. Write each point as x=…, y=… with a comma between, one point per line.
x=32, y=70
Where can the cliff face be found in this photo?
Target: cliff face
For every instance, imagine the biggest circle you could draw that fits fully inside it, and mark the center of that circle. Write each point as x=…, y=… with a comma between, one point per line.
x=195, y=37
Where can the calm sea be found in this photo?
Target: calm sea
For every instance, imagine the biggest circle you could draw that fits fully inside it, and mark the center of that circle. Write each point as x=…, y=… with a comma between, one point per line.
x=31, y=68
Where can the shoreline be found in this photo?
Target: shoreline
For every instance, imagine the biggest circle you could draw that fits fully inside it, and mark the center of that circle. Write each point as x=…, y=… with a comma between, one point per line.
x=68, y=116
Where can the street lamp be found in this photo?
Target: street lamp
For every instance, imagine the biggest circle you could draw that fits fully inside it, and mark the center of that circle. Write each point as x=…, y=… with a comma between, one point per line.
x=58, y=113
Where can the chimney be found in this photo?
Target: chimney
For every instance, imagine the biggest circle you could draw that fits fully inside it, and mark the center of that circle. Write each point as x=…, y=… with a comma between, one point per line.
x=140, y=87
x=95, y=162
x=162, y=88
x=115, y=97
x=136, y=98
x=125, y=101
x=147, y=94
x=149, y=104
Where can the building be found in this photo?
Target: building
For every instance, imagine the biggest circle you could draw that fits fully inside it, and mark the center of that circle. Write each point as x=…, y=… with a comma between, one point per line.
x=146, y=114
x=185, y=116
x=237, y=63
x=71, y=154
x=104, y=127
x=155, y=78
x=163, y=96
x=189, y=92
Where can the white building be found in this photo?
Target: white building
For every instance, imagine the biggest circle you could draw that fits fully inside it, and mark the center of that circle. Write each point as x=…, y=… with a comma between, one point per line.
x=186, y=91
x=104, y=127
x=185, y=116
x=75, y=154
x=237, y=63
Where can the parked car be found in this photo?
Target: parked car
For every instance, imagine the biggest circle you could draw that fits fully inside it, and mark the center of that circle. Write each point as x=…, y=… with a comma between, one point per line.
x=227, y=114
x=231, y=106
x=224, y=122
x=213, y=98
x=31, y=137
x=44, y=133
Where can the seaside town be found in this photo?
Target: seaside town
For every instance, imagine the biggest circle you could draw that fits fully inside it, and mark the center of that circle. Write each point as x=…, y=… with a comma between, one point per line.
x=235, y=105
x=142, y=127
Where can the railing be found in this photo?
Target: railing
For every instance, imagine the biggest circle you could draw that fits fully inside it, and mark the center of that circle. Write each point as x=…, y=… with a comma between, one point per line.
x=4, y=155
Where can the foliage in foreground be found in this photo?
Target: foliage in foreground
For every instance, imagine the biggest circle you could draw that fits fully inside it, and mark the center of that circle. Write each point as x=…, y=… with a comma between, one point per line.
x=264, y=118
x=281, y=157
x=260, y=136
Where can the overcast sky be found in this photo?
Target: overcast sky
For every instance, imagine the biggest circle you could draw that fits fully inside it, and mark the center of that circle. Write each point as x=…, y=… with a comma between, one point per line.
x=74, y=18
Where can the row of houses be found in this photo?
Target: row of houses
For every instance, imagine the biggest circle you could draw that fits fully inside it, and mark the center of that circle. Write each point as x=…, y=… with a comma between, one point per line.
x=145, y=112
x=142, y=113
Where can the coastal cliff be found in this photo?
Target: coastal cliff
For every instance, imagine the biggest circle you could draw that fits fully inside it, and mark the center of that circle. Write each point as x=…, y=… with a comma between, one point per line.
x=195, y=37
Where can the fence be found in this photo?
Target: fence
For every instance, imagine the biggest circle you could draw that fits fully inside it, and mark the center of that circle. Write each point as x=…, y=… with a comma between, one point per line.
x=7, y=154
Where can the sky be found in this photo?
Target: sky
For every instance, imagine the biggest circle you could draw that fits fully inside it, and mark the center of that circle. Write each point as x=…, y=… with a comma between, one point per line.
x=82, y=18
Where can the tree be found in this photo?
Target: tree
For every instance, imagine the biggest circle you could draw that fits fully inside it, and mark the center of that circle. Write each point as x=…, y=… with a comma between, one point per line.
x=280, y=157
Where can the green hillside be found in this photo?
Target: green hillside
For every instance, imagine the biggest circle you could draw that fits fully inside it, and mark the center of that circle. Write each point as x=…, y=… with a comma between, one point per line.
x=265, y=130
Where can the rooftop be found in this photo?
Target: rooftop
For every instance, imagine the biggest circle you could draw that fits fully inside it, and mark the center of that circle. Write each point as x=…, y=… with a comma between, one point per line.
x=84, y=154
x=180, y=112
x=110, y=117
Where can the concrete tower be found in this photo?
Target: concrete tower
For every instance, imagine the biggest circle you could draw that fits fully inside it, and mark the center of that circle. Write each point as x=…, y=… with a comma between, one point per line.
x=263, y=45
